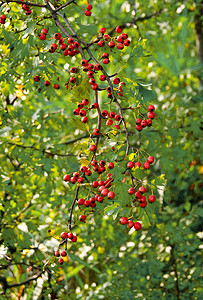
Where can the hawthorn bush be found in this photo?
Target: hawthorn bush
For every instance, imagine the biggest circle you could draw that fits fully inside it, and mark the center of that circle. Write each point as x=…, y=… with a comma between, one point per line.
x=85, y=144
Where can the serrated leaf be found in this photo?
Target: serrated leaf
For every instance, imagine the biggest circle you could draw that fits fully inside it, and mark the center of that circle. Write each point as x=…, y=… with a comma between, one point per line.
x=78, y=124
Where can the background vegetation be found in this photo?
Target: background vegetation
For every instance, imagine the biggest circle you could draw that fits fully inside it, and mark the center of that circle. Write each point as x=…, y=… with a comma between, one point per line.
x=108, y=261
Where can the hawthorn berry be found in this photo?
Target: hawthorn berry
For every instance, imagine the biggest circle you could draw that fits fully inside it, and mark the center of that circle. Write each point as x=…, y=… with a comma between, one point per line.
x=93, y=148
x=151, y=115
x=110, y=165
x=104, y=192
x=42, y=36
x=117, y=117
x=105, y=61
x=96, y=131
x=88, y=173
x=63, y=46
x=44, y=31
x=37, y=78
x=2, y=19
x=101, y=43
x=82, y=113
x=111, y=195
x=66, y=177
x=102, y=77
x=70, y=235
x=64, y=235
x=73, y=180
x=74, y=239
x=56, y=86
x=81, y=201
x=116, y=80
x=142, y=199
x=76, y=111
x=109, y=122
x=117, y=126
x=97, y=67
x=80, y=180
x=120, y=46
x=60, y=261
x=144, y=123
x=146, y=165
x=70, y=40
x=131, y=191
x=137, y=226
x=63, y=253
x=150, y=159
x=151, y=108
x=76, y=44
x=89, y=6
x=149, y=122
x=92, y=81
x=73, y=70
x=112, y=114
x=57, y=36
x=104, y=113
x=142, y=189
x=85, y=102
x=106, y=37
x=56, y=253
x=119, y=29
x=46, y=83
x=151, y=199
x=139, y=127
x=123, y=221
x=100, y=199
x=126, y=42
x=88, y=13
x=95, y=184
x=94, y=162
x=82, y=218
x=102, y=163
x=80, y=105
x=124, y=35
x=120, y=39
x=72, y=80
x=84, y=62
x=138, y=195
x=138, y=164
x=130, y=164
x=130, y=224
x=143, y=204
x=102, y=30
x=86, y=203
x=94, y=86
x=111, y=44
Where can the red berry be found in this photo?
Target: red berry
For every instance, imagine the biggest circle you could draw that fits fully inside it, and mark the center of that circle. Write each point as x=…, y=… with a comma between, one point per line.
x=76, y=111
x=81, y=201
x=120, y=46
x=37, y=78
x=109, y=122
x=131, y=191
x=110, y=165
x=142, y=189
x=53, y=46
x=56, y=86
x=87, y=203
x=73, y=180
x=42, y=36
x=102, y=30
x=97, y=67
x=106, y=37
x=105, y=61
x=138, y=195
x=56, y=253
x=89, y=7
x=63, y=46
x=139, y=127
x=142, y=199
x=116, y=80
x=88, y=173
x=102, y=77
x=111, y=44
x=130, y=164
x=80, y=106
x=100, y=199
x=94, y=86
x=117, y=117
x=46, y=83
x=101, y=183
x=66, y=177
x=76, y=45
x=73, y=70
x=44, y=31
x=92, y=148
x=82, y=113
x=123, y=220
x=95, y=105
x=138, y=121
x=95, y=184
x=146, y=165
x=124, y=35
x=117, y=126
x=112, y=114
x=94, y=162
x=57, y=36
x=88, y=13
x=150, y=159
x=101, y=43
x=138, y=164
x=85, y=102
x=130, y=224
x=96, y=131
x=143, y=204
x=82, y=218
x=70, y=40
x=63, y=253
x=104, y=113
x=72, y=80
x=102, y=163
x=149, y=122
x=151, y=199
x=151, y=115
x=137, y=226
x=119, y=29
x=64, y=235
x=143, y=123
x=104, y=192
x=111, y=195
x=70, y=235
x=151, y=108
x=90, y=74
x=74, y=239
x=60, y=261
x=127, y=42
x=84, y=62
x=92, y=81
x=120, y=39
x=80, y=180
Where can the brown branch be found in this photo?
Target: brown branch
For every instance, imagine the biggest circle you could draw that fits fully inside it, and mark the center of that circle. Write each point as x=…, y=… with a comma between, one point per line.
x=72, y=207
x=24, y=2
x=64, y=5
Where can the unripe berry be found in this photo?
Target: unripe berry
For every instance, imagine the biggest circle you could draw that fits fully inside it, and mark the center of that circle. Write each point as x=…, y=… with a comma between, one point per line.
x=137, y=226
x=146, y=165
x=64, y=235
x=102, y=30
x=63, y=253
x=96, y=131
x=123, y=221
x=116, y=80
x=130, y=164
x=92, y=148
x=151, y=199
x=82, y=218
x=138, y=164
x=66, y=177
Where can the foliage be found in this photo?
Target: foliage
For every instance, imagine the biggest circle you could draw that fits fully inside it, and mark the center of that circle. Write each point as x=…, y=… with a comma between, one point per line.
x=41, y=141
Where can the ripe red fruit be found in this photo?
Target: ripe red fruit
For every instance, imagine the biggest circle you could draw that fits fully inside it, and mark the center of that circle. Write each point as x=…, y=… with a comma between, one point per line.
x=92, y=204
x=142, y=199
x=94, y=86
x=111, y=195
x=56, y=86
x=95, y=105
x=70, y=40
x=138, y=164
x=63, y=46
x=88, y=13
x=146, y=165
x=104, y=192
x=138, y=195
x=72, y=80
x=76, y=111
x=127, y=42
x=76, y=175
x=109, y=122
x=102, y=77
x=85, y=102
x=117, y=117
x=143, y=204
x=101, y=43
x=110, y=165
x=57, y=36
x=88, y=173
x=149, y=122
x=104, y=113
x=82, y=113
x=44, y=31
x=73, y=70
x=101, y=183
x=92, y=199
x=105, y=55
x=138, y=121
x=116, y=80
x=131, y=191
x=90, y=74
x=46, y=83
x=63, y=253
x=92, y=81
x=151, y=108
x=81, y=201
x=73, y=180
x=70, y=235
x=96, y=131
x=117, y=126
x=92, y=148
x=130, y=224
x=151, y=199
x=137, y=226
x=150, y=159
x=76, y=45
x=95, y=184
x=84, y=62
x=107, y=37
x=2, y=19
x=56, y=253
x=82, y=218
x=139, y=127
x=123, y=220
x=142, y=189
x=120, y=39
x=80, y=105
x=74, y=239
x=37, y=78
x=87, y=203
x=102, y=30
x=110, y=96
x=112, y=114
x=143, y=123
x=105, y=61
x=151, y=115
x=102, y=163
x=64, y=235
x=130, y=164
x=53, y=46
x=101, y=188
x=100, y=199
x=120, y=46
x=124, y=35
x=89, y=6
x=94, y=162
x=66, y=177
x=97, y=67
x=42, y=36
x=80, y=180
x=65, y=52
x=111, y=44
x=119, y=29
x=60, y=261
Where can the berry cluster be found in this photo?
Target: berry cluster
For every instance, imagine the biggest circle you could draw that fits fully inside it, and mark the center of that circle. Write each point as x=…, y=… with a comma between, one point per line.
x=130, y=223
x=88, y=11
x=119, y=41
x=27, y=9
x=146, y=165
x=2, y=19
x=140, y=124
x=65, y=237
